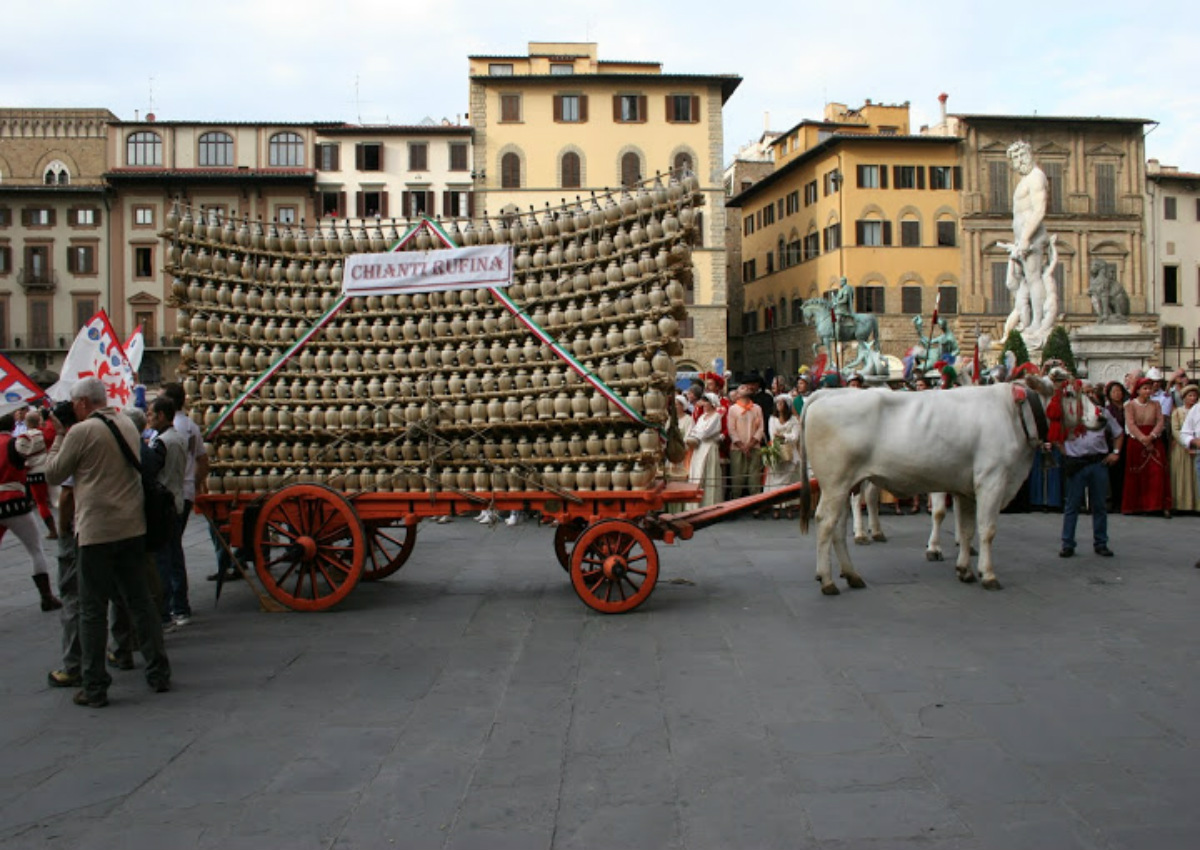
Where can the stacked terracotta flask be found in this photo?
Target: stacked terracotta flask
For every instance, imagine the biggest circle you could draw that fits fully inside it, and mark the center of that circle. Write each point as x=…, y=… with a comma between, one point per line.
x=439, y=390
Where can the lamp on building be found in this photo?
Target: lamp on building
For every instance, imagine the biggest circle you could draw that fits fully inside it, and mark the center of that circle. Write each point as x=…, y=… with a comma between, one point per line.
x=481, y=174
x=835, y=178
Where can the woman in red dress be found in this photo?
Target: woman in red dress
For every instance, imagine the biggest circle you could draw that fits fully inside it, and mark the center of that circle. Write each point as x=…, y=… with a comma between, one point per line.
x=1147, y=479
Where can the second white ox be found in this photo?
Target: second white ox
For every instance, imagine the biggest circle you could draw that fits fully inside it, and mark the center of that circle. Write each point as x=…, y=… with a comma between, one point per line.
x=974, y=442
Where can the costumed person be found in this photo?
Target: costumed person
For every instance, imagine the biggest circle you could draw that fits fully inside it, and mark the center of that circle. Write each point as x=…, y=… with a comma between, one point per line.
x=784, y=431
x=32, y=444
x=1045, y=476
x=1185, y=496
x=16, y=511
x=1189, y=438
x=715, y=384
x=679, y=471
x=1115, y=396
x=704, y=465
x=1147, y=484
x=747, y=431
x=1085, y=456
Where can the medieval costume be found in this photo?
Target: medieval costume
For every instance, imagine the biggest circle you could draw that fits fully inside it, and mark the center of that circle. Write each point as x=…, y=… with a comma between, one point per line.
x=1147, y=484
x=1184, y=495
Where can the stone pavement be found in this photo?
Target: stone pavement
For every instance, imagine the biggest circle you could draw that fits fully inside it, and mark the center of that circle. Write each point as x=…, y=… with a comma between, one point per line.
x=471, y=701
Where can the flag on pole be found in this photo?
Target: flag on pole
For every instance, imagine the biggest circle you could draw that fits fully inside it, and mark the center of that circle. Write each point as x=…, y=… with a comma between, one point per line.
x=17, y=390
x=135, y=347
x=97, y=353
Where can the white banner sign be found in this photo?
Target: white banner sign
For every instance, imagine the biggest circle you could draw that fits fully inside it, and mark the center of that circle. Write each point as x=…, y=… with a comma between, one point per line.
x=403, y=272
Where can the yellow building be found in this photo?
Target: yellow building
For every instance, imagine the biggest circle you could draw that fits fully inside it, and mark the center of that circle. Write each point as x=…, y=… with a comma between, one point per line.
x=559, y=124
x=856, y=196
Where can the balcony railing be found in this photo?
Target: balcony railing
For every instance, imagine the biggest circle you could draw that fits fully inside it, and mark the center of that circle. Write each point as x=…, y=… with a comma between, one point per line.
x=37, y=278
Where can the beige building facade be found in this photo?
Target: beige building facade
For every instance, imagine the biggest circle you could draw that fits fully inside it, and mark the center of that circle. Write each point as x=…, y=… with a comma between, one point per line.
x=1173, y=210
x=559, y=124
x=854, y=195
x=55, y=226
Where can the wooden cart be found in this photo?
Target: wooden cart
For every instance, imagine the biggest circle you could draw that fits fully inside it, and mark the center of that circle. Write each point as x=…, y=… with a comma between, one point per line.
x=311, y=544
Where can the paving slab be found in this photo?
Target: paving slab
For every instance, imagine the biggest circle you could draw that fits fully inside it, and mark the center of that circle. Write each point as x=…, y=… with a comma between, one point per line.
x=472, y=701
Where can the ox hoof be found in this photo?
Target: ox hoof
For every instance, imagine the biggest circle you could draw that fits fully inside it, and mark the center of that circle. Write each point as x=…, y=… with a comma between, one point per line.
x=879, y=537
x=830, y=589
x=992, y=584
x=966, y=576
x=855, y=581
x=933, y=555
x=863, y=541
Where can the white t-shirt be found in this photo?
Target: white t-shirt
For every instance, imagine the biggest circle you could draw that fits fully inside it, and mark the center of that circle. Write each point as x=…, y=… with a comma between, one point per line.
x=196, y=448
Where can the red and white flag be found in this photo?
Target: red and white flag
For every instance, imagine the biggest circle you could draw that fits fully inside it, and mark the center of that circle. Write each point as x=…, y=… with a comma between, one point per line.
x=135, y=347
x=97, y=353
x=17, y=390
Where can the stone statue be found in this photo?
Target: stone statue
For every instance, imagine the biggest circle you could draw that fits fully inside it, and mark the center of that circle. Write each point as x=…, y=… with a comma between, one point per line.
x=1109, y=298
x=942, y=347
x=1032, y=253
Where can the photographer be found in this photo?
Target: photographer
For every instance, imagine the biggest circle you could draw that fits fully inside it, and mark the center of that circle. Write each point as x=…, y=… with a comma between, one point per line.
x=110, y=525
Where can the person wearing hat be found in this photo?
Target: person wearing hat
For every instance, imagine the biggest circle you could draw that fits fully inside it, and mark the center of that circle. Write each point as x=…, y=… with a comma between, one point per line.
x=1185, y=494
x=1147, y=484
x=1086, y=456
x=1160, y=393
x=801, y=390
x=703, y=441
x=855, y=381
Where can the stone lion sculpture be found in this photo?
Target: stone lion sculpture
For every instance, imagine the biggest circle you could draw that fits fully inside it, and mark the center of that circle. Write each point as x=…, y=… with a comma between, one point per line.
x=1109, y=298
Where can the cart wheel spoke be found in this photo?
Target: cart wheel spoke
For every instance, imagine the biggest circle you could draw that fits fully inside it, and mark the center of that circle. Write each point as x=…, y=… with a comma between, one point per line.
x=390, y=543
x=614, y=566
x=309, y=547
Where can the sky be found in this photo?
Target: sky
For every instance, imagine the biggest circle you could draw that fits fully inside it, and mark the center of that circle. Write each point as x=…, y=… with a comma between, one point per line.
x=399, y=62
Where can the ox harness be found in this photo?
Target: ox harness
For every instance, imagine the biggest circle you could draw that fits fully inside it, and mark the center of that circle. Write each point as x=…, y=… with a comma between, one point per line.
x=1020, y=396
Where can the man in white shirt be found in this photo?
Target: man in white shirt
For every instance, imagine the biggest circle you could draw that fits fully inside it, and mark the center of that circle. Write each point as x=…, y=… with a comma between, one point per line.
x=1189, y=437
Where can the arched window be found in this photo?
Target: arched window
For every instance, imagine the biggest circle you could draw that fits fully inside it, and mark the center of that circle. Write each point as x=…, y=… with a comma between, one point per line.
x=216, y=149
x=631, y=169
x=56, y=174
x=286, y=150
x=510, y=171
x=572, y=173
x=144, y=148
x=683, y=164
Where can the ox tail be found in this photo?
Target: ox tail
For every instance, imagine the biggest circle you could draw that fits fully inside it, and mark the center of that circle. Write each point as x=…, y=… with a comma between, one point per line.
x=806, y=484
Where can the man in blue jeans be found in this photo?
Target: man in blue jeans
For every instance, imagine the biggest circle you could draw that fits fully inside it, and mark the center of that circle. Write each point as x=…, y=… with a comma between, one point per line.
x=1086, y=458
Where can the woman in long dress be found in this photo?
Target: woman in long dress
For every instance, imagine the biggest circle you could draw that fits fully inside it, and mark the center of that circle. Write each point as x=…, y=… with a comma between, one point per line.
x=679, y=471
x=1184, y=496
x=784, y=431
x=704, y=467
x=1116, y=396
x=1147, y=484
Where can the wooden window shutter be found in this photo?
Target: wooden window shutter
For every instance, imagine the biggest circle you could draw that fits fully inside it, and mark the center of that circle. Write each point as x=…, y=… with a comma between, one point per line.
x=470, y=204
x=72, y=266
x=336, y=159
x=887, y=233
x=858, y=233
x=430, y=199
x=381, y=165
x=642, y=113
x=383, y=204
x=24, y=217
x=97, y=213
x=896, y=175
x=448, y=205
x=316, y=155
x=616, y=107
x=358, y=156
x=53, y=216
x=695, y=109
x=583, y=115
x=920, y=177
x=406, y=203
x=558, y=110
x=883, y=176
x=358, y=204
x=958, y=177
x=670, y=107
x=341, y=208
x=859, y=170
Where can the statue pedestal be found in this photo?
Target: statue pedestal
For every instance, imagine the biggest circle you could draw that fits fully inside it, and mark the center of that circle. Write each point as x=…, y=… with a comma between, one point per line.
x=1111, y=351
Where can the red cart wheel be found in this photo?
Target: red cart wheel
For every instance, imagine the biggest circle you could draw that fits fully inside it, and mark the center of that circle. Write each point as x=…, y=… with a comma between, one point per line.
x=614, y=566
x=309, y=546
x=565, y=534
x=389, y=543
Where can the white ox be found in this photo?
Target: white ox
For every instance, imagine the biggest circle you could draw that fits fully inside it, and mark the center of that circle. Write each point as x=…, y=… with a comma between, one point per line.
x=974, y=442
